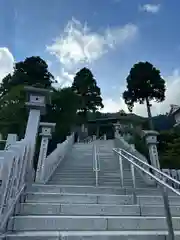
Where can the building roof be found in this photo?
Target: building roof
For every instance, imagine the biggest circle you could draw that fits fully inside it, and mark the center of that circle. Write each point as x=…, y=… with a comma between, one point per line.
x=108, y=119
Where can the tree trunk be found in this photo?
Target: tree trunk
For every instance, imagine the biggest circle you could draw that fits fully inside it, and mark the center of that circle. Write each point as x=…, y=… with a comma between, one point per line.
x=151, y=126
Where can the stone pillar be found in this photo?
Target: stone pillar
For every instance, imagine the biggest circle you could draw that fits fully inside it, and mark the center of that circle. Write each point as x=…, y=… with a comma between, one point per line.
x=46, y=133
x=94, y=137
x=37, y=100
x=11, y=138
x=151, y=139
x=117, y=128
x=97, y=132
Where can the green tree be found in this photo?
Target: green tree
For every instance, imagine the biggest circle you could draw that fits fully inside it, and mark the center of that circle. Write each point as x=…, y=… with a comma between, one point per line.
x=12, y=113
x=63, y=111
x=32, y=71
x=169, y=148
x=144, y=83
x=85, y=86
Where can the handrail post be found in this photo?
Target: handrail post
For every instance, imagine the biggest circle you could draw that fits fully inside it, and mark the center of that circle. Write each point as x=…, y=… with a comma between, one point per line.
x=121, y=169
x=158, y=177
x=95, y=164
x=168, y=213
x=134, y=183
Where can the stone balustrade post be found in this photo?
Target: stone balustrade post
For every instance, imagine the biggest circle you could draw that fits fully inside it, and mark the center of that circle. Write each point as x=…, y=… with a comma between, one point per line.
x=11, y=138
x=151, y=139
x=46, y=133
x=117, y=128
x=37, y=98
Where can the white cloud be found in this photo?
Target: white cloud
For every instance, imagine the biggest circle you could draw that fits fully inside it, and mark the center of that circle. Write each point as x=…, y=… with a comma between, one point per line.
x=64, y=79
x=112, y=106
x=78, y=44
x=6, y=62
x=151, y=8
x=172, y=97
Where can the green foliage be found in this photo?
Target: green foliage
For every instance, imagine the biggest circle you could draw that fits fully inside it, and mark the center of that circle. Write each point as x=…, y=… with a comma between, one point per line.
x=32, y=71
x=63, y=109
x=144, y=83
x=86, y=88
x=13, y=115
x=169, y=148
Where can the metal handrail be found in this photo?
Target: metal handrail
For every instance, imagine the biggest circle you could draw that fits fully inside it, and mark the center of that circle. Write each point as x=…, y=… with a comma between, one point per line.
x=96, y=164
x=161, y=182
x=150, y=166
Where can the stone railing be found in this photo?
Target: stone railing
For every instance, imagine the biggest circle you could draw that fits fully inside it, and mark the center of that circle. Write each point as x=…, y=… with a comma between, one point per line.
x=17, y=158
x=15, y=169
x=121, y=143
x=174, y=173
x=54, y=159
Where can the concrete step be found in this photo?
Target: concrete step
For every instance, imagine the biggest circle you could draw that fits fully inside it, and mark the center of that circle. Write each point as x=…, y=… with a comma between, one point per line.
x=95, y=209
x=95, y=223
x=72, y=183
x=80, y=209
x=87, y=170
x=87, y=177
x=79, y=198
x=76, y=189
x=93, y=235
x=74, y=175
x=157, y=200
x=73, y=180
x=64, y=169
x=92, y=189
x=158, y=210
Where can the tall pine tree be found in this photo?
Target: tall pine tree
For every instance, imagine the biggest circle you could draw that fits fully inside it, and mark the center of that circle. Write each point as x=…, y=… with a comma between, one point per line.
x=85, y=86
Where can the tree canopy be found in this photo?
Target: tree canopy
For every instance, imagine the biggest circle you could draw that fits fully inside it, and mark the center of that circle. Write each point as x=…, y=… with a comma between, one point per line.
x=83, y=95
x=169, y=148
x=85, y=86
x=32, y=71
x=144, y=83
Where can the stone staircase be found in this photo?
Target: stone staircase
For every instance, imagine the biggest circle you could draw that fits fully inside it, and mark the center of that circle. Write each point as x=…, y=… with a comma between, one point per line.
x=78, y=166
x=71, y=207
x=86, y=212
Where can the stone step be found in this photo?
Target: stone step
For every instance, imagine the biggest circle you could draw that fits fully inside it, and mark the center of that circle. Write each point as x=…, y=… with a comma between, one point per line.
x=71, y=183
x=157, y=200
x=95, y=223
x=79, y=198
x=95, y=209
x=91, y=189
x=64, y=180
x=71, y=169
x=87, y=177
x=158, y=210
x=80, y=179
x=91, y=183
x=75, y=189
x=79, y=209
x=93, y=235
x=82, y=174
x=88, y=170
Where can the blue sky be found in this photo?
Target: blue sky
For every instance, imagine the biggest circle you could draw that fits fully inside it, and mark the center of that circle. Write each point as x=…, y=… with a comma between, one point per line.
x=108, y=36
